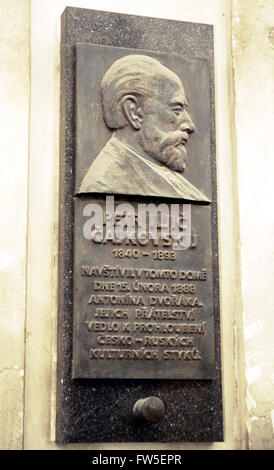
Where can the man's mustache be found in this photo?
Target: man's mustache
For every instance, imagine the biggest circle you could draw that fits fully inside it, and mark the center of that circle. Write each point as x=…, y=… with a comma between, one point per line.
x=175, y=139
x=171, y=156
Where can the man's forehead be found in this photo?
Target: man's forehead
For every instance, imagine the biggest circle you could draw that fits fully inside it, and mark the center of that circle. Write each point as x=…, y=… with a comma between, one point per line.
x=171, y=91
x=178, y=97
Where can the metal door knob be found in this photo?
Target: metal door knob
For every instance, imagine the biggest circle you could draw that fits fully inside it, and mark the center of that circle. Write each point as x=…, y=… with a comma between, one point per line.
x=151, y=408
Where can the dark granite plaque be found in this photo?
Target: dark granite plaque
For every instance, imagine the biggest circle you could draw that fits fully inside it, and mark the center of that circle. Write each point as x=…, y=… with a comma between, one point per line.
x=137, y=131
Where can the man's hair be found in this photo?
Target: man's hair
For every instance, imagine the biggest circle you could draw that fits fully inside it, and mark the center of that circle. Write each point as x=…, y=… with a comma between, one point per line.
x=130, y=75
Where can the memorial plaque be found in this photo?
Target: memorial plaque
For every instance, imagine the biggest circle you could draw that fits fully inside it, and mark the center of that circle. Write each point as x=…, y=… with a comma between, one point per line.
x=142, y=308
x=138, y=277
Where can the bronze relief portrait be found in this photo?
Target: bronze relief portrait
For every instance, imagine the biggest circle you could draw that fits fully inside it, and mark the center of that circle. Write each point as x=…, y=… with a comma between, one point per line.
x=142, y=104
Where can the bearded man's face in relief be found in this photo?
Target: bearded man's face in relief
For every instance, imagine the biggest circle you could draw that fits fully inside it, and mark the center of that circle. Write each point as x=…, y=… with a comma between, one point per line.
x=166, y=124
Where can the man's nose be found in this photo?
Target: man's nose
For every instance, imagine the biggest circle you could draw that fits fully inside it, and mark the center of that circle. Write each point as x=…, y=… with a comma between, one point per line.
x=187, y=124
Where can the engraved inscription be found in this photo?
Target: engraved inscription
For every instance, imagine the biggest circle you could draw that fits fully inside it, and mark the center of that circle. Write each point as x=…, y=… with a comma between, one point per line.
x=142, y=310
x=148, y=319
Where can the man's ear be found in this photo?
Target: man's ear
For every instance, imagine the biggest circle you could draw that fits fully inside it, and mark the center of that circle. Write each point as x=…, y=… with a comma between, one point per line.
x=132, y=111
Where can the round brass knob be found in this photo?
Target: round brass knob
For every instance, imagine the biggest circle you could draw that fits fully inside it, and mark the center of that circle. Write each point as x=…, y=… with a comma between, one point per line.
x=151, y=408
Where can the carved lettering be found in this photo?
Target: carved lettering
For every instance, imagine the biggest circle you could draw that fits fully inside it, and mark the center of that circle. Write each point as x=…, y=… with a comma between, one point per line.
x=157, y=327
x=140, y=354
x=111, y=313
x=156, y=314
x=175, y=300
x=149, y=287
x=191, y=355
x=101, y=326
x=183, y=328
x=116, y=299
x=145, y=273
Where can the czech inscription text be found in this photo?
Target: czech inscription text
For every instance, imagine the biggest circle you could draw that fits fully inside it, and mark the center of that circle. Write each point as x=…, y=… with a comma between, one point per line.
x=159, y=315
x=139, y=308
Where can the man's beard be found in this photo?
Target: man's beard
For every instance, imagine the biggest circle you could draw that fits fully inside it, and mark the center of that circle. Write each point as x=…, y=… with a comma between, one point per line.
x=167, y=149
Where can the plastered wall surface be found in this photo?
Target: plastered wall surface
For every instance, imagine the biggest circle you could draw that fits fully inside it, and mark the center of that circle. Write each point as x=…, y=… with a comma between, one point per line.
x=30, y=299
x=14, y=120
x=253, y=54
